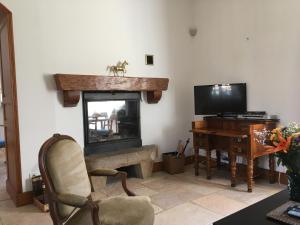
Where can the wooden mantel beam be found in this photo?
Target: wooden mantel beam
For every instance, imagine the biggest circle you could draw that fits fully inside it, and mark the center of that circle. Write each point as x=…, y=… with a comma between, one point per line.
x=72, y=85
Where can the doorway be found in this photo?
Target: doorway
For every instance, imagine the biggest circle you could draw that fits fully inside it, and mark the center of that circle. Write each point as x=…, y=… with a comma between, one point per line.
x=3, y=162
x=9, y=106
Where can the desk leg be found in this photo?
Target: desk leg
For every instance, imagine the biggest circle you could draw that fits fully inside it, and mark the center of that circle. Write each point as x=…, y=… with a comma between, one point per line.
x=272, y=168
x=196, y=160
x=250, y=173
x=232, y=157
x=208, y=163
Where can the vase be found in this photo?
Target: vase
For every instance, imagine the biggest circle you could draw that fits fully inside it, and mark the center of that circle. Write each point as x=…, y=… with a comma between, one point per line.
x=294, y=186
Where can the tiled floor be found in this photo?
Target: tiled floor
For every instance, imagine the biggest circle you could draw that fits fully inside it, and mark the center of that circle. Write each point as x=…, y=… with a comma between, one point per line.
x=177, y=199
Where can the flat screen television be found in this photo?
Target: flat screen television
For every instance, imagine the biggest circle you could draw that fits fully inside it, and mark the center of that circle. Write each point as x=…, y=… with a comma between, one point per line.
x=220, y=99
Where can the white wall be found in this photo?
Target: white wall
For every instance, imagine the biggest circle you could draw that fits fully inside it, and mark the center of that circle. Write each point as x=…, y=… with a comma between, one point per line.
x=84, y=37
x=252, y=41
x=249, y=41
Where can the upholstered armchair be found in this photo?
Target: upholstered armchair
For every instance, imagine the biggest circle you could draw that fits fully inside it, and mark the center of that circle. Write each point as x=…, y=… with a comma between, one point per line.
x=68, y=188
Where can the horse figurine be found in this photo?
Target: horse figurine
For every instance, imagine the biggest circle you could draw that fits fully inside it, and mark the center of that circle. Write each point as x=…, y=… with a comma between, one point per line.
x=120, y=67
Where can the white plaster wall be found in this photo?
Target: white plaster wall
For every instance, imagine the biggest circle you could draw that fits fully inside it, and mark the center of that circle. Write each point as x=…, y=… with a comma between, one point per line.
x=249, y=41
x=252, y=41
x=84, y=37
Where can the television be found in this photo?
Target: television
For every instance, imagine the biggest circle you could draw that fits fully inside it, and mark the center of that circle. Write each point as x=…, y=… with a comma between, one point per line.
x=220, y=99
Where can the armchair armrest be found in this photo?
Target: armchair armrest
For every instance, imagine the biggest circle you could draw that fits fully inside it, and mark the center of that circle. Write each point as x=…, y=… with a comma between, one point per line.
x=115, y=173
x=104, y=172
x=72, y=200
x=78, y=201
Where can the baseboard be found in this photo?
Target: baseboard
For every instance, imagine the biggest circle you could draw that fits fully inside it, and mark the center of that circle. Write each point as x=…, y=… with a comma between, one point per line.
x=25, y=198
x=19, y=199
x=264, y=173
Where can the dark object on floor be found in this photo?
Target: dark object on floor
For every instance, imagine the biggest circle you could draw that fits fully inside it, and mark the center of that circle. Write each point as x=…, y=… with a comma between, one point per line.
x=2, y=143
x=39, y=196
x=37, y=185
x=40, y=203
x=173, y=164
x=256, y=213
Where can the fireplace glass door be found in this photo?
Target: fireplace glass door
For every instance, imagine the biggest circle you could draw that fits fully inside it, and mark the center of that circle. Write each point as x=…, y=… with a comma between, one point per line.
x=111, y=119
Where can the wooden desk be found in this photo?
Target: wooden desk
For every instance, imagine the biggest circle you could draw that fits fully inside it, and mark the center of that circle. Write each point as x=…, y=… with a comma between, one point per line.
x=235, y=136
x=256, y=214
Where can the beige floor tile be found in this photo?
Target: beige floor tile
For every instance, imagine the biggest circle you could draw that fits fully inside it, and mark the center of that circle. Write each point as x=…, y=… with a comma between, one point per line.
x=144, y=191
x=243, y=196
x=186, y=214
x=220, y=204
x=157, y=209
x=26, y=215
x=201, y=186
x=270, y=188
x=173, y=197
x=240, y=193
x=164, y=184
x=96, y=196
x=116, y=188
x=177, y=199
x=155, y=176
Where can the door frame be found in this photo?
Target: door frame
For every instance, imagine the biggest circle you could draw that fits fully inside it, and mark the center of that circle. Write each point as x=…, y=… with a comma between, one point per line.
x=14, y=174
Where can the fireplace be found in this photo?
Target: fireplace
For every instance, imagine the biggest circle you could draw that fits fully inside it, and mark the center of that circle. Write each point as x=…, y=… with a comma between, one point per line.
x=111, y=121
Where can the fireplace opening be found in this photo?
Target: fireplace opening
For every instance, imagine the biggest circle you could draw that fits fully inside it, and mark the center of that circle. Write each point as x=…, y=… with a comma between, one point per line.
x=131, y=173
x=111, y=121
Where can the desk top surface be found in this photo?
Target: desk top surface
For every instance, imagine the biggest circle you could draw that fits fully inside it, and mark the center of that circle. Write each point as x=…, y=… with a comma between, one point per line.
x=256, y=213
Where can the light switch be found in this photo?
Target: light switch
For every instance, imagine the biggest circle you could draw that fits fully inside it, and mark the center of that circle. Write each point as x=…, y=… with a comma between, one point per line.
x=149, y=60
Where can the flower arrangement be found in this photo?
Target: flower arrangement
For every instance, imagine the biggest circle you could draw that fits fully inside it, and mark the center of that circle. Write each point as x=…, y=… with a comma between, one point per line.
x=286, y=141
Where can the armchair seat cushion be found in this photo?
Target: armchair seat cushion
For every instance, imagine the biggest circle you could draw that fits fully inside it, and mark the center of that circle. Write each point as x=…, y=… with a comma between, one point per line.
x=118, y=211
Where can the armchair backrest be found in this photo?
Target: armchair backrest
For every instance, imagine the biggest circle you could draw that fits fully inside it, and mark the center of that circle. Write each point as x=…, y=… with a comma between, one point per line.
x=63, y=170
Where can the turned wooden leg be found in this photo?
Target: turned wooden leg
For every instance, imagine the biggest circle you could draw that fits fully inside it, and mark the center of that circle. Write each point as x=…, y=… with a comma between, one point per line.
x=196, y=160
x=218, y=153
x=249, y=173
x=232, y=157
x=208, y=163
x=272, y=168
x=229, y=162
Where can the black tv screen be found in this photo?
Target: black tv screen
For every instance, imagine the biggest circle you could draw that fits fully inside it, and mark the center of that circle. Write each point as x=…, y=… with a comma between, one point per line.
x=220, y=99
